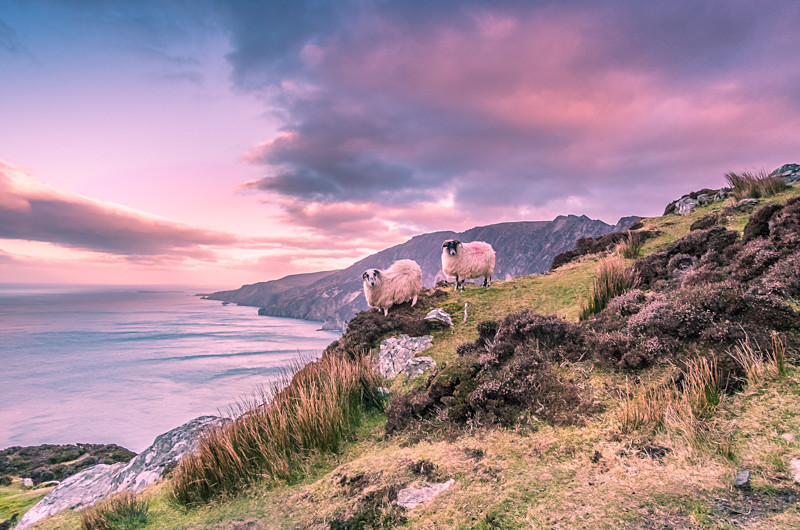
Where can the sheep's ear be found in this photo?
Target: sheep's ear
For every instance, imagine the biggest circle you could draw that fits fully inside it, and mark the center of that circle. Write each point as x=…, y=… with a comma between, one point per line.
x=457, y=242
x=444, y=245
x=364, y=276
x=377, y=273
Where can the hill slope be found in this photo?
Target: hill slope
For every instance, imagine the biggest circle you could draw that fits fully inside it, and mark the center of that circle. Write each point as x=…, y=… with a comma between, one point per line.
x=523, y=248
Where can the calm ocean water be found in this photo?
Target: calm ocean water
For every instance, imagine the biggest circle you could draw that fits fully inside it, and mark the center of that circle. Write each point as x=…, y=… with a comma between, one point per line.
x=124, y=365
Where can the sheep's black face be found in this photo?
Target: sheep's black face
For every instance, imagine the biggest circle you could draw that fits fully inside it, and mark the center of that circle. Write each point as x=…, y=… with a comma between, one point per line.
x=371, y=276
x=451, y=246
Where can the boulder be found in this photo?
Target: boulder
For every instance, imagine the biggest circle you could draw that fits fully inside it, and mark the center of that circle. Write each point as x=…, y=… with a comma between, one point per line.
x=790, y=173
x=685, y=205
x=742, y=479
x=395, y=352
x=439, y=319
x=103, y=480
x=408, y=498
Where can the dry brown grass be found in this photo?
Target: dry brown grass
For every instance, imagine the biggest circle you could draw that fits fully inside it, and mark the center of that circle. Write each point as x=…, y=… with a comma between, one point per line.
x=676, y=408
x=611, y=279
x=124, y=510
x=759, y=365
x=754, y=185
x=274, y=438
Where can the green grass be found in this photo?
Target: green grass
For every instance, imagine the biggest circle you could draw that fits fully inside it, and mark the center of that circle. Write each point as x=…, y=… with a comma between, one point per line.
x=18, y=499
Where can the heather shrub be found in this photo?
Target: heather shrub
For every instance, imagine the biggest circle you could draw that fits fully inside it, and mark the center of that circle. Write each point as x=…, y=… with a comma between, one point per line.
x=754, y=258
x=678, y=264
x=528, y=385
x=501, y=381
x=707, y=221
x=783, y=278
x=588, y=245
x=758, y=225
x=550, y=333
x=699, y=242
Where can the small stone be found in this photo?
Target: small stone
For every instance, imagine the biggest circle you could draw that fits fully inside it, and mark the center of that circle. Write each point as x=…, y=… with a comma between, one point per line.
x=794, y=469
x=742, y=479
x=789, y=437
x=439, y=319
x=409, y=498
x=27, y=482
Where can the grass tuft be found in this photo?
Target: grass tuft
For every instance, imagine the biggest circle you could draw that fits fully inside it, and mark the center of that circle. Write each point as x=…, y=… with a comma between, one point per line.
x=611, y=279
x=678, y=408
x=631, y=246
x=754, y=185
x=123, y=511
x=757, y=364
x=315, y=411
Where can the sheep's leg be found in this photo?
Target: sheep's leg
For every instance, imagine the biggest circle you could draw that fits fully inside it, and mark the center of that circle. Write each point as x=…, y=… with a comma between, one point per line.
x=456, y=287
x=463, y=280
x=414, y=301
x=385, y=311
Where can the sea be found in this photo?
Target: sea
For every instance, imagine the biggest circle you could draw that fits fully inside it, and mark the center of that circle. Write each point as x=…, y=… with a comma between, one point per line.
x=125, y=364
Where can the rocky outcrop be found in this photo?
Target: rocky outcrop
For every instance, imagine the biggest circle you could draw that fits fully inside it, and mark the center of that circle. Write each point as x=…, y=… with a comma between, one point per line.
x=686, y=204
x=409, y=498
x=103, y=480
x=397, y=356
x=525, y=247
x=790, y=173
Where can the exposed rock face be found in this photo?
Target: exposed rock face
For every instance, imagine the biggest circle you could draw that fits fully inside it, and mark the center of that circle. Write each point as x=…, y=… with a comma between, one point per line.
x=789, y=172
x=439, y=319
x=396, y=353
x=409, y=498
x=522, y=248
x=417, y=365
x=103, y=480
x=685, y=205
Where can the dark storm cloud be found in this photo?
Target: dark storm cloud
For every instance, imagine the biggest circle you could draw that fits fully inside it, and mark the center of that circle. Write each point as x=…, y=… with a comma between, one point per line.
x=32, y=211
x=516, y=103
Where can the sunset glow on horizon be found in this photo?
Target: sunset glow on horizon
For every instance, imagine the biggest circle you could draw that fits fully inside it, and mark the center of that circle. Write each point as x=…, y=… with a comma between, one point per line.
x=221, y=143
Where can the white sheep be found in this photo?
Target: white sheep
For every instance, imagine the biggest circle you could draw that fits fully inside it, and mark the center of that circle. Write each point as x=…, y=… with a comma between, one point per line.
x=397, y=284
x=468, y=260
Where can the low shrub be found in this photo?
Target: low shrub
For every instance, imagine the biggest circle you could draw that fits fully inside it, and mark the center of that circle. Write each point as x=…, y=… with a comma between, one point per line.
x=123, y=511
x=315, y=412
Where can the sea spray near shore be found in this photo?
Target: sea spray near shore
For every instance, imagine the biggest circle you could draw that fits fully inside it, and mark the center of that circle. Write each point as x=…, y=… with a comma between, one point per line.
x=124, y=365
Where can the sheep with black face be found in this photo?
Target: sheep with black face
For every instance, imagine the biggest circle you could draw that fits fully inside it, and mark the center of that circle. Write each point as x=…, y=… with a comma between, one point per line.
x=399, y=283
x=466, y=261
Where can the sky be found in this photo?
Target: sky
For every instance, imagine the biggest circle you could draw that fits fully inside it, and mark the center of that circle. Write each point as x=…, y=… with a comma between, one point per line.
x=227, y=142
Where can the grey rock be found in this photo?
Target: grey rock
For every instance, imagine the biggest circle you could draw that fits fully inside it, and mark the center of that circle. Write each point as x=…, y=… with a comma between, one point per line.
x=790, y=173
x=417, y=365
x=409, y=498
x=395, y=352
x=702, y=198
x=27, y=482
x=439, y=319
x=742, y=479
x=103, y=480
x=685, y=205
x=794, y=469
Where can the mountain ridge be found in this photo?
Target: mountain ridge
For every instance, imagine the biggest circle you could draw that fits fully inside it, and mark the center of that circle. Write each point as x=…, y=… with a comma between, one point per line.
x=523, y=248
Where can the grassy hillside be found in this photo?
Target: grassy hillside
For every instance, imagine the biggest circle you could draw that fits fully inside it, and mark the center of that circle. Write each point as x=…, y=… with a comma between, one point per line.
x=632, y=464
